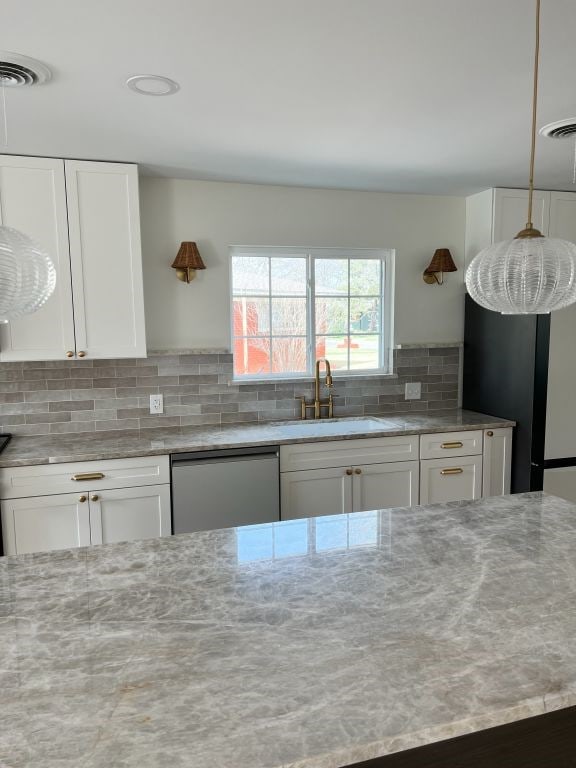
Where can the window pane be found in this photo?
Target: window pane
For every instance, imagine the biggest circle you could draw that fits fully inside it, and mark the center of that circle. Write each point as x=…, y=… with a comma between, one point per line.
x=289, y=355
x=288, y=317
x=331, y=277
x=365, y=315
x=252, y=356
x=289, y=277
x=251, y=316
x=364, y=352
x=250, y=275
x=335, y=348
x=365, y=276
x=331, y=316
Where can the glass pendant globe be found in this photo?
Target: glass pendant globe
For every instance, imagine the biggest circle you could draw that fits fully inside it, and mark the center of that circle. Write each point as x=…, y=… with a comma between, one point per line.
x=524, y=276
x=27, y=275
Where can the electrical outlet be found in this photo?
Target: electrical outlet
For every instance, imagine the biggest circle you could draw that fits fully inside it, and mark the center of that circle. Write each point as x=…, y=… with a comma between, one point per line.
x=413, y=391
x=157, y=403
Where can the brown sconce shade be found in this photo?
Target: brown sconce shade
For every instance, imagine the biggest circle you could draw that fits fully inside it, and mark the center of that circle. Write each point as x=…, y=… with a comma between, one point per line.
x=442, y=261
x=187, y=261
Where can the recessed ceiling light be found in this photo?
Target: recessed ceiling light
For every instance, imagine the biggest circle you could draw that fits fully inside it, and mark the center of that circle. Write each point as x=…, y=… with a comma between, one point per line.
x=152, y=85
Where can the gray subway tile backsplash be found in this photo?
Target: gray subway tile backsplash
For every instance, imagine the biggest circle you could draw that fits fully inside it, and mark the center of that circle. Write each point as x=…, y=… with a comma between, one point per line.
x=99, y=395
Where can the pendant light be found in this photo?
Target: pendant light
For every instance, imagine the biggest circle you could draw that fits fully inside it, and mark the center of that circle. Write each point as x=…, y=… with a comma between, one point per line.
x=27, y=274
x=530, y=274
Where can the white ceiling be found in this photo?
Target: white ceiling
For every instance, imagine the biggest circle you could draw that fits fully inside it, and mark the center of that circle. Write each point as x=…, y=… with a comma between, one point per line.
x=395, y=95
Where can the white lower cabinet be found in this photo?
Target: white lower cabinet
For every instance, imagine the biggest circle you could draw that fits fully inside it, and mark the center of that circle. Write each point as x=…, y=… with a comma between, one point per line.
x=44, y=523
x=67, y=520
x=377, y=486
x=59, y=506
x=329, y=477
x=451, y=479
x=126, y=514
x=315, y=492
x=497, y=463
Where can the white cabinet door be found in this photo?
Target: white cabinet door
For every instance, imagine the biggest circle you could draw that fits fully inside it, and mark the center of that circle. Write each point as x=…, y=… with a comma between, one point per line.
x=43, y=523
x=128, y=514
x=33, y=200
x=378, y=486
x=450, y=479
x=563, y=215
x=511, y=209
x=497, y=461
x=313, y=492
x=106, y=259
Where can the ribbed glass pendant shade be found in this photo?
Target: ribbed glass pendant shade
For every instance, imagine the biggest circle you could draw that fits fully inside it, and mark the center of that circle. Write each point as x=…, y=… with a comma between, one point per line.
x=527, y=275
x=27, y=275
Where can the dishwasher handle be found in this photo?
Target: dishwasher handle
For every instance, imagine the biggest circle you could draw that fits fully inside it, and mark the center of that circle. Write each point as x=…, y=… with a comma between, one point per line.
x=232, y=454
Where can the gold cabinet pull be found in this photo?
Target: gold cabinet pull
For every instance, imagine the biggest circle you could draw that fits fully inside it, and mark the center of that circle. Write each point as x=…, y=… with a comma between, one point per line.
x=358, y=471
x=69, y=354
x=88, y=476
x=81, y=354
x=94, y=497
x=489, y=434
x=82, y=499
x=452, y=471
x=348, y=471
x=456, y=444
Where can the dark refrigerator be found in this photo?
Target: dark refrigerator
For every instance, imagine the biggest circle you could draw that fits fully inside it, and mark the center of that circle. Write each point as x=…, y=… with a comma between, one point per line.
x=523, y=367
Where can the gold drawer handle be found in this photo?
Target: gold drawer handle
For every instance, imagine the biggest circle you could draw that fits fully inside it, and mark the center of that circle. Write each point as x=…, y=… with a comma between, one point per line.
x=348, y=471
x=88, y=476
x=452, y=471
x=457, y=444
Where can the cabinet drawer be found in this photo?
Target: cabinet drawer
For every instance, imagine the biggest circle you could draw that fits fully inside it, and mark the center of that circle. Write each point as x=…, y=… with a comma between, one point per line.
x=446, y=444
x=343, y=453
x=443, y=480
x=47, y=479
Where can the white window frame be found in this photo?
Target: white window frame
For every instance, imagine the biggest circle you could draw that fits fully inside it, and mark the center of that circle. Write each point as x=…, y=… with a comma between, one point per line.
x=387, y=258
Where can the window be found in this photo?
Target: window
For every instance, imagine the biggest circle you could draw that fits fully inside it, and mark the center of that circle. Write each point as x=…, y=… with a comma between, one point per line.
x=292, y=306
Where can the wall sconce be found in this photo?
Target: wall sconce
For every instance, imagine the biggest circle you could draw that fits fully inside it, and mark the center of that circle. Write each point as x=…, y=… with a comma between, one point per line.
x=187, y=261
x=442, y=261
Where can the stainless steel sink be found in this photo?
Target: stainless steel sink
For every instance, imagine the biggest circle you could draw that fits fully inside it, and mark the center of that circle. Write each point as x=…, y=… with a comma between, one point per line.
x=337, y=426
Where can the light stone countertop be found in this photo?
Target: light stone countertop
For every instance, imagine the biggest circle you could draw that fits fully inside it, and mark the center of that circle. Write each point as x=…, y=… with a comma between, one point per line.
x=314, y=643
x=55, y=449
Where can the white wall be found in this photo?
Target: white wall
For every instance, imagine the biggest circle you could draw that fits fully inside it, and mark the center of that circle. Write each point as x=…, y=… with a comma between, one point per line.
x=217, y=215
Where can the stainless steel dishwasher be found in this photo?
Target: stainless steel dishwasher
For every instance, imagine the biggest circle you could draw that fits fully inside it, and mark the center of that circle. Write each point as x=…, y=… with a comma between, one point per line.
x=220, y=489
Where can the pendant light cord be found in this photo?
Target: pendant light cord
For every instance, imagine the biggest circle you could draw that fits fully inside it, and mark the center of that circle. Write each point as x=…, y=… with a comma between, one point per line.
x=534, y=109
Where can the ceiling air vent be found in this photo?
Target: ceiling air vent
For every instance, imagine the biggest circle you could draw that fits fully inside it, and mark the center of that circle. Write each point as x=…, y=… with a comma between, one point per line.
x=16, y=70
x=561, y=129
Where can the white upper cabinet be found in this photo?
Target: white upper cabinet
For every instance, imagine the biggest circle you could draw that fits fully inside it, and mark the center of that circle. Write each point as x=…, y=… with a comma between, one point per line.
x=86, y=216
x=511, y=210
x=106, y=258
x=33, y=200
x=499, y=214
x=563, y=215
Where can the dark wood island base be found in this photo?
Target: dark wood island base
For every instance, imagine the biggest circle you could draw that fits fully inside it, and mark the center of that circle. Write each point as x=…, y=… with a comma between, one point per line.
x=545, y=741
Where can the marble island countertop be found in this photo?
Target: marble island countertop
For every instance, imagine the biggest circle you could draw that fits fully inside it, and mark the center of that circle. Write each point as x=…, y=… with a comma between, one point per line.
x=54, y=449
x=305, y=644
